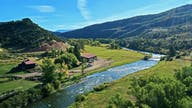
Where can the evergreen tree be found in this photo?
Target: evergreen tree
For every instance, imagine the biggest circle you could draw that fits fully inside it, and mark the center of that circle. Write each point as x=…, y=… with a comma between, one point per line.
x=172, y=51
x=77, y=52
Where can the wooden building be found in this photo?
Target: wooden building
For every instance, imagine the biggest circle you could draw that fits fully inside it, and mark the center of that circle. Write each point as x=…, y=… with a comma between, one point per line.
x=27, y=64
x=89, y=57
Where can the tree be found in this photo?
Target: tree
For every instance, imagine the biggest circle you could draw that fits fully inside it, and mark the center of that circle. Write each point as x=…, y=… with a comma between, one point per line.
x=77, y=52
x=48, y=69
x=172, y=51
x=83, y=67
x=63, y=72
x=114, y=45
x=67, y=58
x=158, y=92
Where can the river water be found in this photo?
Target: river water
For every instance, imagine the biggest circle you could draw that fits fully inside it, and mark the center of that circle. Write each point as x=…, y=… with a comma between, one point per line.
x=66, y=97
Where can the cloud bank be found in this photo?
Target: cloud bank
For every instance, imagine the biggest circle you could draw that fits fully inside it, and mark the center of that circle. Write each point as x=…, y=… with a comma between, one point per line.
x=82, y=6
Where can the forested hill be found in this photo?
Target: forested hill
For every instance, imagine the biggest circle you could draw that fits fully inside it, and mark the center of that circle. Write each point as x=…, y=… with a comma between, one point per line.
x=176, y=21
x=24, y=34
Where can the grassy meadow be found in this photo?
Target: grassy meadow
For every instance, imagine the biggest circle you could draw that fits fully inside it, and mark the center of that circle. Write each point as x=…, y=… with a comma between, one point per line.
x=5, y=68
x=16, y=85
x=119, y=57
x=6, y=84
x=101, y=99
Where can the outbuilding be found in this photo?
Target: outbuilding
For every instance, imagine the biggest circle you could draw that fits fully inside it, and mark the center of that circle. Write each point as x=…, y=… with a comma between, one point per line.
x=27, y=64
x=89, y=57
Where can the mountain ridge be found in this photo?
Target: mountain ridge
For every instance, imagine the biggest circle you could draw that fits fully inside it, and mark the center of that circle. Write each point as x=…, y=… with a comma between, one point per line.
x=136, y=26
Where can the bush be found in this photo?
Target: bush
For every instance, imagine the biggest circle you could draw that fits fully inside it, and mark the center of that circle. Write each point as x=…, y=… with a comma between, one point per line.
x=47, y=89
x=147, y=56
x=57, y=84
x=162, y=58
x=178, y=57
x=101, y=87
x=158, y=92
x=80, y=98
x=22, y=99
x=168, y=58
x=120, y=102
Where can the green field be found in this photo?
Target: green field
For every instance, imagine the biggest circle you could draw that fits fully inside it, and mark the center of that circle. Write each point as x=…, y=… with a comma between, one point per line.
x=5, y=68
x=101, y=99
x=7, y=85
x=119, y=57
x=16, y=84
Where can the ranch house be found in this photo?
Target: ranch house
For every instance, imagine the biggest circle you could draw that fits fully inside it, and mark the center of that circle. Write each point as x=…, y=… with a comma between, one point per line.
x=89, y=57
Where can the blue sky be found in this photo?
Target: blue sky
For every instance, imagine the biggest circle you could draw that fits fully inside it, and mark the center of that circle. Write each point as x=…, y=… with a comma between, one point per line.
x=72, y=14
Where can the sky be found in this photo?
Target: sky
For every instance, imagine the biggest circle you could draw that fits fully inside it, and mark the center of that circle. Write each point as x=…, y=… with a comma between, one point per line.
x=73, y=14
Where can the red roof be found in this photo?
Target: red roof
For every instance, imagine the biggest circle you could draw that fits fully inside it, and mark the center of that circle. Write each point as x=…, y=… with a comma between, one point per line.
x=29, y=62
x=88, y=55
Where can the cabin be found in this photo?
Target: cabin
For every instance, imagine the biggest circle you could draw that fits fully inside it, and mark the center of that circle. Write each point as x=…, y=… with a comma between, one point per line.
x=27, y=64
x=89, y=57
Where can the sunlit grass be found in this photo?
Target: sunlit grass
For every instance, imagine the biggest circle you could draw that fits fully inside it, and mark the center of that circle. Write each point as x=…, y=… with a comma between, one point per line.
x=118, y=56
x=16, y=85
x=101, y=99
x=5, y=68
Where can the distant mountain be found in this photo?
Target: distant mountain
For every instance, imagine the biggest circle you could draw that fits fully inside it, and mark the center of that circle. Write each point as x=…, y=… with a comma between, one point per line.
x=176, y=21
x=25, y=35
x=59, y=32
x=62, y=31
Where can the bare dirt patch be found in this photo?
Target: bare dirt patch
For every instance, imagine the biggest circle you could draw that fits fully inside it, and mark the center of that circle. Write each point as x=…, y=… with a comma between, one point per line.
x=99, y=63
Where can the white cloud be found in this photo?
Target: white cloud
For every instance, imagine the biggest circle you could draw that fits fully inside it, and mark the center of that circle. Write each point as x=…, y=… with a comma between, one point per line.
x=82, y=6
x=43, y=8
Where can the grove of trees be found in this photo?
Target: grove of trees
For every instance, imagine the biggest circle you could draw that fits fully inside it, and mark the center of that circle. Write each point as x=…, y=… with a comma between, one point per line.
x=159, y=92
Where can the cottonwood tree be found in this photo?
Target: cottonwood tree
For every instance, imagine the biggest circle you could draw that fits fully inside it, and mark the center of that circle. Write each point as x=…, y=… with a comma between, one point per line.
x=48, y=69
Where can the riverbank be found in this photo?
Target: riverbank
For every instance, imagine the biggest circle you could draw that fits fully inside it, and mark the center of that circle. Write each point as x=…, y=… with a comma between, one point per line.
x=102, y=52
x=69, y=93
x=119, y=57
x=114, y=57
x=101, y=99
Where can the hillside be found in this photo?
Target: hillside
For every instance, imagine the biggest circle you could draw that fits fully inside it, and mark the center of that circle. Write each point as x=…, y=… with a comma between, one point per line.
x=24, y=35
x=176, y=21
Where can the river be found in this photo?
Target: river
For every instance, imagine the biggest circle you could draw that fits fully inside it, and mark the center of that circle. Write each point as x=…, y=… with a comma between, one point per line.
x=66, y=97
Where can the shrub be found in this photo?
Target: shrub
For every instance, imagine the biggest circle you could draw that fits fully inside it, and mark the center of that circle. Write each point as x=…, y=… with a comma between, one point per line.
x=147, y=56
x=158, y=92
x=22, y=99
x=80, y=98
x=119, y=102
x=57, y=84
x=47, y=89
x=101, y=87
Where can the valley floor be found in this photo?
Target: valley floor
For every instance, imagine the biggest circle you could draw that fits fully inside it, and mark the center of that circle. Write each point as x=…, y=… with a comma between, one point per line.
x=101, y=99
x=112, y=58
x=115, y=57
